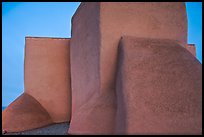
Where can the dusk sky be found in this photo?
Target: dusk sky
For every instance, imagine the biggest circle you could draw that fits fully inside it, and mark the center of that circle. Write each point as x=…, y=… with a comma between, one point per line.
x=53, y=19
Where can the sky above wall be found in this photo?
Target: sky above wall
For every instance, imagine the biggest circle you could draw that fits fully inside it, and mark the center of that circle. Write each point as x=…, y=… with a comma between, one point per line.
x=48, y=19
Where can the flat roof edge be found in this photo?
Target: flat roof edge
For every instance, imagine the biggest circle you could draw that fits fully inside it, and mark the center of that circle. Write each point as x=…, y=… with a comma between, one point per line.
x=38, y=37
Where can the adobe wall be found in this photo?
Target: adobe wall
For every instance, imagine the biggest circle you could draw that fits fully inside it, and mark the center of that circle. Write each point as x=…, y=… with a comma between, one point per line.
x=88, y=104
x=24, y=113
x=47, y=75
x=164, y=20
x=84, y=54
x=96, y=31
x=159, y=88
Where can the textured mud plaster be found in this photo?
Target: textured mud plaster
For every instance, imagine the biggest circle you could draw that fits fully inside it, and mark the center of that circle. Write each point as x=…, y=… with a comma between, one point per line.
x=47, y=75
x=159, y=88
x=166, y=20
x=96, y=31
x=23, y=114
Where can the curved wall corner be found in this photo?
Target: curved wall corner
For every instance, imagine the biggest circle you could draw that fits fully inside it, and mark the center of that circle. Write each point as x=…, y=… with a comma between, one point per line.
x=159, y=88
x=24, y=113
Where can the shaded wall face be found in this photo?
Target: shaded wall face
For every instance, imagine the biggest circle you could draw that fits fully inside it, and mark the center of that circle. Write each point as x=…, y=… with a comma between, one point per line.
x=96, y=31
x=84, y=52
x=47, y=75
x=159, y=88
x=88, y=103
x=164, y=20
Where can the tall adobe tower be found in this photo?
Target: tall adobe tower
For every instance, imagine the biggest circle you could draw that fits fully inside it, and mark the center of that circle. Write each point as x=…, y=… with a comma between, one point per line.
x=131, y=71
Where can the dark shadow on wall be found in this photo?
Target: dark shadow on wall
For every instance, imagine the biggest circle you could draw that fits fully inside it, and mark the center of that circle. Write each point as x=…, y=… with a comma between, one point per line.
x=121, y=108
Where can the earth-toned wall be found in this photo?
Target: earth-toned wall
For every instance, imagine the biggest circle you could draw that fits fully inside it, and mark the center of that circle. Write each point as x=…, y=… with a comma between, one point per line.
x=126, y=70
x=47, y=75
x=23, y=114
x=47, y=92
x=159, y=88
x=96, y=101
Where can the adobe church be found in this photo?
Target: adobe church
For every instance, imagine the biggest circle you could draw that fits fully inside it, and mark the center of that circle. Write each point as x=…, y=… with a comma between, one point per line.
x=127, y=69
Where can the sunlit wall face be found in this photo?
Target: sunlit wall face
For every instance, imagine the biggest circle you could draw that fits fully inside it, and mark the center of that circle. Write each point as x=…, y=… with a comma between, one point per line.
x=20, y=19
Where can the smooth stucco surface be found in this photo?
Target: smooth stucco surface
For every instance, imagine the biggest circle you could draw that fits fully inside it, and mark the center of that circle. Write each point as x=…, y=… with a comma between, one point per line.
x=47, y=75
x=47, y=95
x=23, y=114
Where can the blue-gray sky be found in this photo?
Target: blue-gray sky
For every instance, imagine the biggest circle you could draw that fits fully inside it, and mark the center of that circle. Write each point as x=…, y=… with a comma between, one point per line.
x=48, y=19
